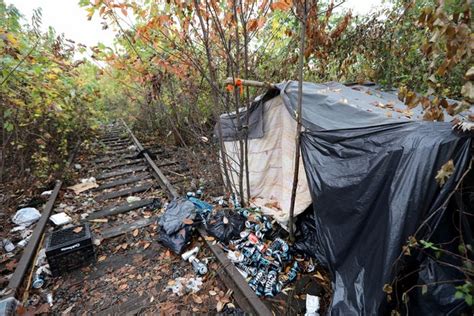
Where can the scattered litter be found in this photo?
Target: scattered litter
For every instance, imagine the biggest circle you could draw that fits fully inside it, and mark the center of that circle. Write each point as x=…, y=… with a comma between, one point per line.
x=220, y=200
x=41, y=258
x=199, y=267
x=47, y=193
x=22, y=243
x=312, y=305
x=26, y=216
x=8, y=306
x=132, y=147
x=200, y=205
x=38, y=281
x=77, y=166
x=49, y=299
x=44, y=270
x=8, y=245
x=84, y=185
x=17, y=228
x=60, y=219
x=181, y=285
x=132, y=199
x=26, y=233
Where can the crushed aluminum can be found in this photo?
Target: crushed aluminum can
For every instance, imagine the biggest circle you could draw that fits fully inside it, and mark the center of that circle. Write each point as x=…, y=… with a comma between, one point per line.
x=199, y=267
x=256, y=255
x=253, y=238
x=38, y=281
x=270, y=283
x=244, y=213
x=261, y=247
x=291, y=276
x=264, y=262
x=199, y=193
x=249, y=225
x=248, y=270
x=258, y=280
x=248, y=251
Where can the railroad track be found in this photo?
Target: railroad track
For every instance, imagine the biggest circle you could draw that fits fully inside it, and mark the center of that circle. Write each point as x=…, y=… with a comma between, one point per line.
x=125, y=168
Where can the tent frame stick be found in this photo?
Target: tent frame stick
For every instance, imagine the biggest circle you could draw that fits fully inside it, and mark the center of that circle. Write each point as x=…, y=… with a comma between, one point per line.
x=249, y=83
x=303, y=21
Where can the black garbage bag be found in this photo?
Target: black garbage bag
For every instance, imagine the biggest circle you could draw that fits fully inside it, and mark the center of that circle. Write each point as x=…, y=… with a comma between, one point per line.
x=306, y=241
x=226, y=225
x=175, y=233
x=175, y=215
x=177, y=241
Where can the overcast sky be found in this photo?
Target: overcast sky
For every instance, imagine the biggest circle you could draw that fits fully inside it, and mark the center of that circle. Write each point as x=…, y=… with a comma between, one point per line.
x=66, y=16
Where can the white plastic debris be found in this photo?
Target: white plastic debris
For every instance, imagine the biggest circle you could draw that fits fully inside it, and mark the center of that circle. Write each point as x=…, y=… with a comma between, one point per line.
x=179, y=285
x=131, y=147
x=26, y=233
x=194, y=284
x=235, y=256
x=131, y=199
x=41, y=258
x=60, y=219
x=49, y=299
x=22, y=243
x=77, y=166
x=26, y=216
x=44, y=269
x=8, y=245
x=88, y=180
x=312, y=305
x=47, y=193
x=17, y=228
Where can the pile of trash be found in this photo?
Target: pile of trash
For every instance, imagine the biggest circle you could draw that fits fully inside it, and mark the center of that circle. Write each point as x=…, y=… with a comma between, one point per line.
x=265, y=259
x=253, y=242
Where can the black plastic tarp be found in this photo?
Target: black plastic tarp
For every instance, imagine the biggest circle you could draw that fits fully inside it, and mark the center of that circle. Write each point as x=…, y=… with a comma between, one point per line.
x=372, y=187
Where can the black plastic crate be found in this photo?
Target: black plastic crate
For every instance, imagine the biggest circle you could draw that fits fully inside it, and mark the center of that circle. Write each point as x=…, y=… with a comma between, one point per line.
x=67, y=250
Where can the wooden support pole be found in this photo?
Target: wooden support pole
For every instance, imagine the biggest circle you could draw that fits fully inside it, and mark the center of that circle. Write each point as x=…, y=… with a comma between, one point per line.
x=250, y=83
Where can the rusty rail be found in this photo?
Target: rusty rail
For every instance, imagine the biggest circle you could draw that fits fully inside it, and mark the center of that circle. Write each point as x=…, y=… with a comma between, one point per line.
x=30, y=251
x=244, y=295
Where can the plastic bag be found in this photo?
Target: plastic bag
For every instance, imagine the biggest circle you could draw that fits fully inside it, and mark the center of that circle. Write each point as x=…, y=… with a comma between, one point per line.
x=226, y=225
x=177, y=241
x=176, y=212
x=26, y=216
x=305, y=239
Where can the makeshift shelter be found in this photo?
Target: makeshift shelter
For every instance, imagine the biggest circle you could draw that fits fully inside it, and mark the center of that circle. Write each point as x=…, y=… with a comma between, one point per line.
x=370, y=168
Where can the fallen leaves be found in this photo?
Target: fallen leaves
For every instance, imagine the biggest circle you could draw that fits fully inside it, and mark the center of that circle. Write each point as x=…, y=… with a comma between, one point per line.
x=101, y=258
x=209, y=238
x=123, y=286
x=197, y=299
x=135, y=233
x=188, y=221
x=445, y=172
